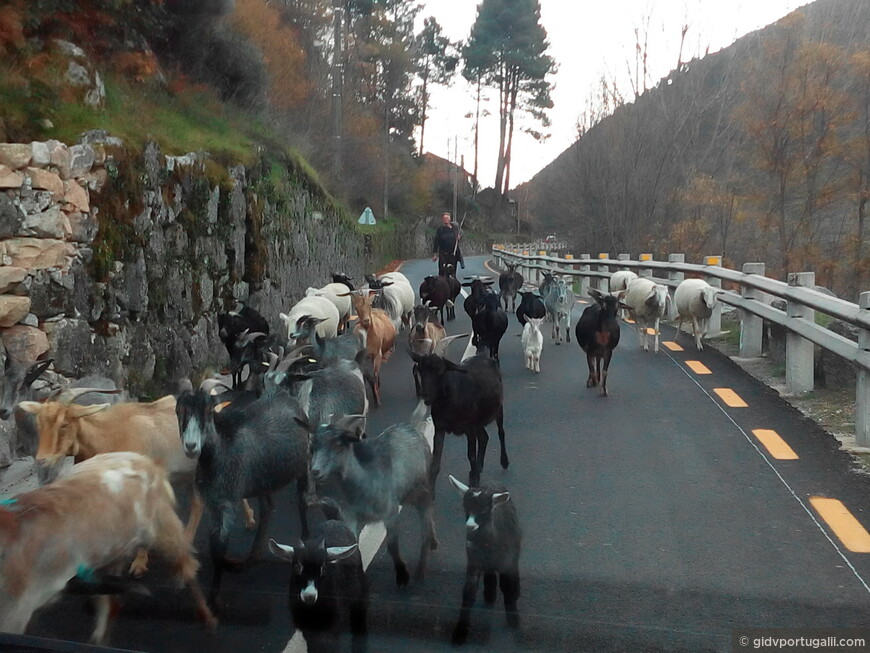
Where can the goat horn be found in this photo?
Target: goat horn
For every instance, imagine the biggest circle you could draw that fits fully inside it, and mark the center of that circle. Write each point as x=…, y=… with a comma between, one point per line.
x=441, y=346
x=285, y=364
x=246, y=337
x=71, y=394
x=209, y=385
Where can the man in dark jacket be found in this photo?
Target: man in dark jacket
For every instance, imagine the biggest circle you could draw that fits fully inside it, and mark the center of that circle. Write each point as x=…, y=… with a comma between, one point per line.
x=446, y=248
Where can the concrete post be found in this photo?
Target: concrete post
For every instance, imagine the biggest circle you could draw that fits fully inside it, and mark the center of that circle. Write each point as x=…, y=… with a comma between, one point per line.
x=799, y=351
x=645, y=272
x=714, y=326
x=674, y=275
x=862, y=389
x=622, y=257
x=538, y=273
x=584, y=280
x=601, y=283
x=751, y=326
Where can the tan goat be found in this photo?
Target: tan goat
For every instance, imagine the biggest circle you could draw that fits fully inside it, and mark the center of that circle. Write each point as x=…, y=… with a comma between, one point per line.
x=150, y=429
x=93, y=518
x=380, y=333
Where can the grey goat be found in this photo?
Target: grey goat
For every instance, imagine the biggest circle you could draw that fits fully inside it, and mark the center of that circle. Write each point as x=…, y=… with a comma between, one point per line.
x=371, y=478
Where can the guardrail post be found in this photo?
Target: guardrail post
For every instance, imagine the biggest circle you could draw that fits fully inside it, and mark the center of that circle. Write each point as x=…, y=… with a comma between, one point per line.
x=674, y=275
x=714, y=325
x=645, y=272
x=603, y=283
x=622, y=257
x=584, y=280
x=799, y=351
x=541, y=252
x=862, y=388
x=751, y=326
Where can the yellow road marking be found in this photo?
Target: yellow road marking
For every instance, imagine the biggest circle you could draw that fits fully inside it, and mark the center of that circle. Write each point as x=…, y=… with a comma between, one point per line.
x=730, y=397
x=582, y=301
x=850, y=531
x=629, y=321
x=650, y=331
x=698, y=367
x=670, y=344
x=777, y=447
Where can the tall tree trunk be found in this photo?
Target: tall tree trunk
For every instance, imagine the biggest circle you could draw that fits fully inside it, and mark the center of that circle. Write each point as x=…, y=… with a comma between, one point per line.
x=502, y=114
x=476, y=140
x=512, y=105
x=425, y=102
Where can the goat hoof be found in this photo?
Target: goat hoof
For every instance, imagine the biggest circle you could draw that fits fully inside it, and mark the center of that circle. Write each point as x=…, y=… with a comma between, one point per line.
x=402, y=577
x=505, y=463
x=460, y=634
x=234, y=565
x=513, y=618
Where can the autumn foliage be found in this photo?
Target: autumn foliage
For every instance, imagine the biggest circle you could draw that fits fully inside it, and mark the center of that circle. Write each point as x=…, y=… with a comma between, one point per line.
x=262, y=23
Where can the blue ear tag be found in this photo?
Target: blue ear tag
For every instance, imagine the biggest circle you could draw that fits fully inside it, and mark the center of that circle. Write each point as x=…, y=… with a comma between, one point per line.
x=86, y=574
x=8, y=502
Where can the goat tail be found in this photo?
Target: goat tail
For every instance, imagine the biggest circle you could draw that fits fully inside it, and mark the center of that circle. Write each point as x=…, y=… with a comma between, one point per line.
x=419, y=416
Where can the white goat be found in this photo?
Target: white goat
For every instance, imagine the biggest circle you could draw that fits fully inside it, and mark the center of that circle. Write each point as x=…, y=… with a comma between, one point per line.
x=648, y=302
x=314, y=307
x=695, y=300
x=533, y=343
x=92, y=519
x=334, y=292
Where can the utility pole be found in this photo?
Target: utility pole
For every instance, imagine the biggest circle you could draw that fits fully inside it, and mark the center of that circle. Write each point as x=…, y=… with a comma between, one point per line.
x=337, y=84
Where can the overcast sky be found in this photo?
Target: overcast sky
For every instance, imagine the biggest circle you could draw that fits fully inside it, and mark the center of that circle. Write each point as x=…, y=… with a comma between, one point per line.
x=588, y=39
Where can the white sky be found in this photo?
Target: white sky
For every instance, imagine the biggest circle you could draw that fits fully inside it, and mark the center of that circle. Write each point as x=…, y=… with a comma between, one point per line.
x=588, y=39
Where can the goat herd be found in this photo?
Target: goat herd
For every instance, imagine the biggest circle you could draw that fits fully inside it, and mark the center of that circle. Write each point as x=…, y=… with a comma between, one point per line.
x=292, y=410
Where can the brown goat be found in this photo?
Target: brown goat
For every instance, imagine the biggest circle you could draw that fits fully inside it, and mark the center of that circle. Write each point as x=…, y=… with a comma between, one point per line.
x=92, y=519
x=380, y=333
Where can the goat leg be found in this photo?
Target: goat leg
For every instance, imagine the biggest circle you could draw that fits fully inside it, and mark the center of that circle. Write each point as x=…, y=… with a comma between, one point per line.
x=402, y=576
x=469, y=594
x=510, y=589
x=435, y=465
x=490, y=585
x=264, y=502
x=499, y=422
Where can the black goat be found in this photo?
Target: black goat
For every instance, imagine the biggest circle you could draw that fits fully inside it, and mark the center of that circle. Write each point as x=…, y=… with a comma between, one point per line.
x=435, y=293
x=530, y=306
x=247, y=451
x=235, y=325
x=326, y=578
x=464, y=399
x=489, y=324
x=493, y=540
x=597, y=333
x=479, y=288
x=509, y=283
x=343, y=278
x=455, y=289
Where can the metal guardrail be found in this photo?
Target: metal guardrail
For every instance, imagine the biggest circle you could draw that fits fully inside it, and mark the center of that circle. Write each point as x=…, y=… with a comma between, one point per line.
x=801, y=297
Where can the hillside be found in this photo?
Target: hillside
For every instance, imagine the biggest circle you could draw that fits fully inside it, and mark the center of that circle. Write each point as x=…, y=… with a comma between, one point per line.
x=759, y=152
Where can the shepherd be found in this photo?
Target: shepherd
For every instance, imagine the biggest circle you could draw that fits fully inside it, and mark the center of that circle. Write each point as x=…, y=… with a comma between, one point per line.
x=446, y=245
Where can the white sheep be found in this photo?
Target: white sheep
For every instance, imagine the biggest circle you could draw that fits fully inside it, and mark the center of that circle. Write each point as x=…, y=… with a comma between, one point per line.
x=334, y=292
x=695, y=300
x=648, y=302
x=401, y=293
x=313, y=306
x=619, y=281
x=533, y=343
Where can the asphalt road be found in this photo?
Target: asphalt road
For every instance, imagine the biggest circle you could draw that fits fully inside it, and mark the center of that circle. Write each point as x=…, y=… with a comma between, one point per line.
x=654, y=520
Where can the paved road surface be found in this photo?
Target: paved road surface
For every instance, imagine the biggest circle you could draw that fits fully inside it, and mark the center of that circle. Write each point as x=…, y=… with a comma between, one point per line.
x=654, y=520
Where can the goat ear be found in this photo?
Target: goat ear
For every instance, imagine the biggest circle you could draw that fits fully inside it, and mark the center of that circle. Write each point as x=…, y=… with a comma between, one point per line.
x=284, y=317
x=283, y=551
x=336, y=553
x=32, y=407
x=353, y=424
x=500, y=497
x=461, y=487
x=36, y=370
x=221, y=406
x=84, y=411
